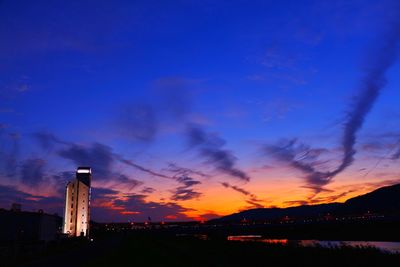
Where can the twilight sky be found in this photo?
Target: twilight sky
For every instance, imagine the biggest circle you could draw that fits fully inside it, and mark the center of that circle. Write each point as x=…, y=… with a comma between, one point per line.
x=193, y=109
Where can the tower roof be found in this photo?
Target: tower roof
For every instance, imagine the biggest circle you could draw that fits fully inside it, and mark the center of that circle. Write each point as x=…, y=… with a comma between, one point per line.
x=84, y=174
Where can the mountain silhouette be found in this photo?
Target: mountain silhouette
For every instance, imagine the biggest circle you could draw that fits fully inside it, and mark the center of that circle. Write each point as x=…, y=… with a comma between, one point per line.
x=382, y=201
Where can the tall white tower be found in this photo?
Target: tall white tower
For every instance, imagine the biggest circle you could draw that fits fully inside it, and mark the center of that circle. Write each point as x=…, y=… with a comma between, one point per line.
x=77, y=204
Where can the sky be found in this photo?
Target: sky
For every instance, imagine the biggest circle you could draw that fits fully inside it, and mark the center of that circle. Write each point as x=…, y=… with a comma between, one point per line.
x=190, y=110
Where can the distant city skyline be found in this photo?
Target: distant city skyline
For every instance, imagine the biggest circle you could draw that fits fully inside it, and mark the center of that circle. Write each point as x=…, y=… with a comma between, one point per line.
x=190, y=110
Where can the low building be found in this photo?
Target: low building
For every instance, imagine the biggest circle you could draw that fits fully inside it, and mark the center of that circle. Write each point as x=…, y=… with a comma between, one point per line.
x=28, y=226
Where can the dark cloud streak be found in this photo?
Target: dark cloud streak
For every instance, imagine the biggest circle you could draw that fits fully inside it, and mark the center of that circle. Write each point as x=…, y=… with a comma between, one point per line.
x=210, y=147
x=9, y=195
x=396, y=154
x=170, y=102
x=182, y=171
x=98, y=156
x=370, y=87
x=136, y=203
x=141, y=168
x=251, y=198
x=47, y=140
x=186, y=192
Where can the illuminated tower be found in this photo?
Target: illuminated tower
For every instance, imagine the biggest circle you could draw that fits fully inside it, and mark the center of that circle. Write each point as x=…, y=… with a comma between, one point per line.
x=77, y=204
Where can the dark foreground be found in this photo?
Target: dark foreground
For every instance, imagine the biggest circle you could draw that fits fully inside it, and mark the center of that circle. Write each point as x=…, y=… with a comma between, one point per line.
x=147, y=248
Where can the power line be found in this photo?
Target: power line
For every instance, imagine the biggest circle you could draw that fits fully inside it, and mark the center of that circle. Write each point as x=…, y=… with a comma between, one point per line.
x=382, y=158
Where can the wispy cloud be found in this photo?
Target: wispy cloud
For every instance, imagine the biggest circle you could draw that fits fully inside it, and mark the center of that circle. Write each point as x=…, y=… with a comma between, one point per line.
x=300, y=157
x=138, y=121
x=9, y=151
x=9, y=195
x=185, y=191
x=47, y=140
x=32, y=171
x=251, y=198
x=141, y=168
x=135, y=205
x=101, y=157
x=396, y=154
x=211, y=148
x=98, y=156
x=170, y=103
x=178, y=171
x=147, y=190
x=374, y=80
x=184, y=177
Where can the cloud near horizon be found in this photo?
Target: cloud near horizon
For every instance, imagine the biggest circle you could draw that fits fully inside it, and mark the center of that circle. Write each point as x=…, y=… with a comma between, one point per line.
x=110, y=205
x=250, y=197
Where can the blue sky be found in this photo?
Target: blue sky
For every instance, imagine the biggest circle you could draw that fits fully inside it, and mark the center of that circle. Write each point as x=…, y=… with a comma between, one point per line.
x=99, y=82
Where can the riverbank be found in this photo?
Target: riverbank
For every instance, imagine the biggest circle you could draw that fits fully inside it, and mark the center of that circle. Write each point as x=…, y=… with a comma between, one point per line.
x=174, y=247
x=149, y=249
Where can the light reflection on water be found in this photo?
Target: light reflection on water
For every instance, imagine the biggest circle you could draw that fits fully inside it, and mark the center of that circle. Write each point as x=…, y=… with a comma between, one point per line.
x=393, y=247
x=257, y=238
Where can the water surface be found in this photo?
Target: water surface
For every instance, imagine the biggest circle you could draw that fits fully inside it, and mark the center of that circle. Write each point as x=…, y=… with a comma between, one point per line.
x=393, y=247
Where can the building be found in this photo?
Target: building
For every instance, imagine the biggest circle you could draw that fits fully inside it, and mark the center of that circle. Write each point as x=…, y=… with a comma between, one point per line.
x=17, y=225
x=16, y=207
x=77, y=204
